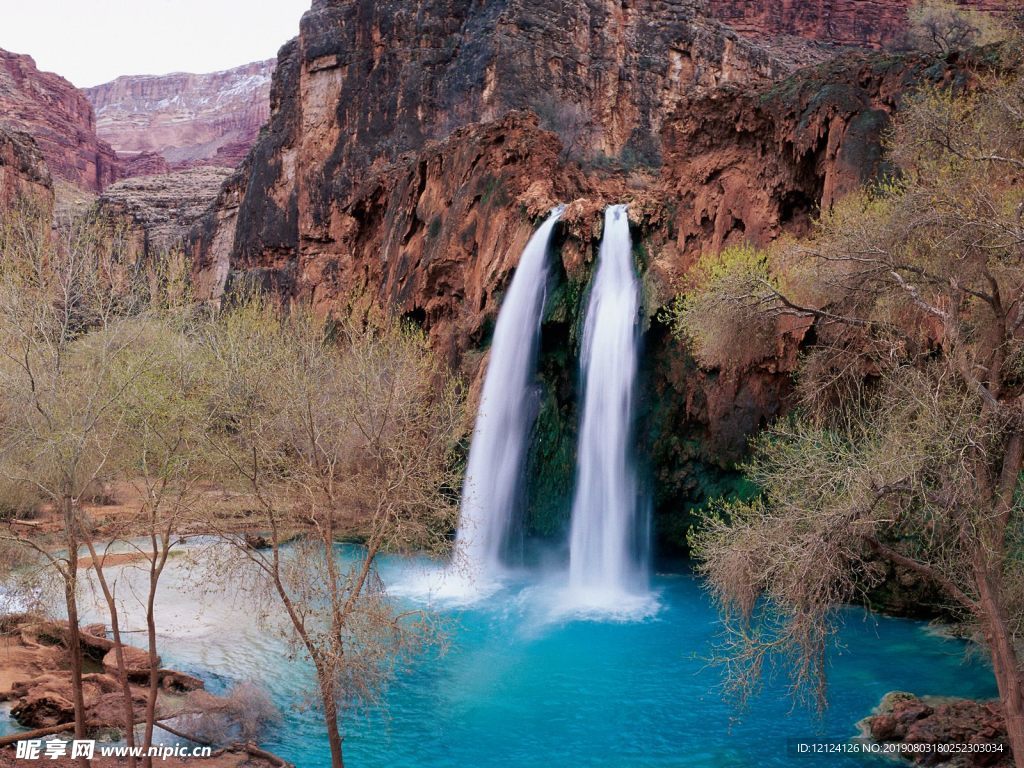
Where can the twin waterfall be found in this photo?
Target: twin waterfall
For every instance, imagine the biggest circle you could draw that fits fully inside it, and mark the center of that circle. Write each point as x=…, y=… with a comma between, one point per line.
x=605, y=543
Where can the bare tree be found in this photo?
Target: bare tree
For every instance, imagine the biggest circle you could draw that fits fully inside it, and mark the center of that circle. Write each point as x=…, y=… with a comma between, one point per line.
x=243, y=714
x=345, y=429
x=63, y=294
x=160, y=457
x=944, y=26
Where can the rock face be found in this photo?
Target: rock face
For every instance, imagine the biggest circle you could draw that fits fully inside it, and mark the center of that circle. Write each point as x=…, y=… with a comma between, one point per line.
x=23, y=171
x=187, y=119
x=748, y=165
x=409, y=156
x=156, y=123
x=34, y=660
x=59, y=118
x=872, y=23
x=439, y=232
x=136, y=663
x=160, y=209
x=364, y=83
x=144, y=164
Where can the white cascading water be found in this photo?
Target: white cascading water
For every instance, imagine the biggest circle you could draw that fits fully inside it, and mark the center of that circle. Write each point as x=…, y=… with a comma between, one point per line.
x=505, y=417
x=604, y=558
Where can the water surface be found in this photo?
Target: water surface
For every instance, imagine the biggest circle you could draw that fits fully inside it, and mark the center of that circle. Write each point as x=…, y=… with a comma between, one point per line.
x=525, y=686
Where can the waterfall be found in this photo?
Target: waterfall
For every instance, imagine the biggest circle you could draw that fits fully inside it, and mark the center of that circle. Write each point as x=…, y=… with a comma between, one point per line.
x=505, y=418
x=605, y=543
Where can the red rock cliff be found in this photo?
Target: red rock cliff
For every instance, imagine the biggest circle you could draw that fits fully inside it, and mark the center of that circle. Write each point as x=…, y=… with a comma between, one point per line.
x=207, y=119
x=871, y=23
x=59, y=118
x=408, y=156
x=23, y=171
x=654, y=99
x=366, y=83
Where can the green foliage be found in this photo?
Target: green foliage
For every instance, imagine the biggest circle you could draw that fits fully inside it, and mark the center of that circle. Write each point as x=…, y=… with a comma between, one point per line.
x=18, y=499
x=551, y=462
x=721, y=315
x=906, y=451
x=492, y=191
x=629, y=159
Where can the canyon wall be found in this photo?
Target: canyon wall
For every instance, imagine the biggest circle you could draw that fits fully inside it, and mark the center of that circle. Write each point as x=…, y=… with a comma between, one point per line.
x=366, y=83
x=158, y=210
x=408, y=157
x=861, y=23
x=187, y=119
x=23, y=171
x=59, y=118
x=155, y=124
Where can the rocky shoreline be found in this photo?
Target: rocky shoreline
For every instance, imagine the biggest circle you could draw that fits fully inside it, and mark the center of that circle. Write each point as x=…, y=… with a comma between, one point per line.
x=958, y=733
x=41, y=694
x=35, y=679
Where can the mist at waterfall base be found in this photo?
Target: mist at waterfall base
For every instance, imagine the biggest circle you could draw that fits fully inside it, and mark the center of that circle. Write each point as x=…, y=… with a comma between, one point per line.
x=517, y=688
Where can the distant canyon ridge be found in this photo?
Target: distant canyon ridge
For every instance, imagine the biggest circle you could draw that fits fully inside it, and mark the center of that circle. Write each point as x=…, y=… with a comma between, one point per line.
x=188, y=120
x=134, y=125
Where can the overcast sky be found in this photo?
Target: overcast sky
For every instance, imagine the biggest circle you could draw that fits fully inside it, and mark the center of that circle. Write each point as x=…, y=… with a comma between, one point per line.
x=92, y=41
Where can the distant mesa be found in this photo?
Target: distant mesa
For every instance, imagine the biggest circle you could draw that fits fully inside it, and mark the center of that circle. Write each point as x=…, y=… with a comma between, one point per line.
x=187, y=120
x=132, y=126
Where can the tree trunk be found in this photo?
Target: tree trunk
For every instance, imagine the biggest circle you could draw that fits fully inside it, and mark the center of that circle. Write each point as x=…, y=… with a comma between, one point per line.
x=1005, y=663
x=990, y=559
x=75, y=658
x=147, y=739
x=331, y=721
x=122, y=670
x=126, y=689
x=323, y=675
x=74, y=634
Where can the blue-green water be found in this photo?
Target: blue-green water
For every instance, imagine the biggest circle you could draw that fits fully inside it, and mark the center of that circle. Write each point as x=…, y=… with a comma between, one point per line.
x=520, y=688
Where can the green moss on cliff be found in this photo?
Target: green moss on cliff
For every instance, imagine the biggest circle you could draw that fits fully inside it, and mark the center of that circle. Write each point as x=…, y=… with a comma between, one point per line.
x=551, y=460
x=435, y=227
x=551, y=464
x=492, y=191
x=686, y=470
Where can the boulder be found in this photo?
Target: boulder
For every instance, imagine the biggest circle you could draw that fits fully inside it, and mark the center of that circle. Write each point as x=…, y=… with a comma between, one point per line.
x=256, y=541
x=908, y=719
x=41, y=709
x=94, y=641
x=179, y=682
x=136, y=662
